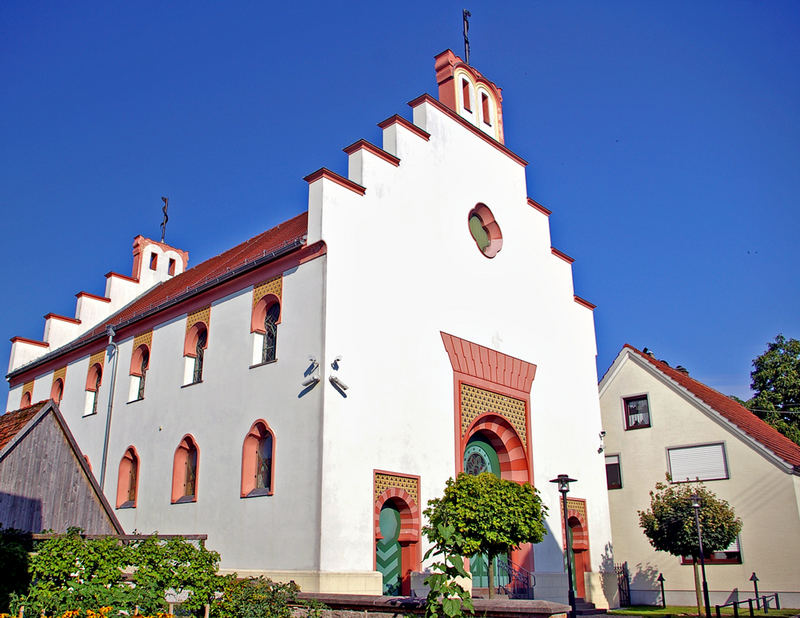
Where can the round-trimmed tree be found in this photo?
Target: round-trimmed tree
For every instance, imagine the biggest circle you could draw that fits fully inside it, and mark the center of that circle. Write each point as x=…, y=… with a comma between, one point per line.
x=490, y=515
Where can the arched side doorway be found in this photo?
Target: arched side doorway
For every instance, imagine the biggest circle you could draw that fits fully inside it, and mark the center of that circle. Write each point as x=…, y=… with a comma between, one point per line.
x=397, y=530
x=577, y=542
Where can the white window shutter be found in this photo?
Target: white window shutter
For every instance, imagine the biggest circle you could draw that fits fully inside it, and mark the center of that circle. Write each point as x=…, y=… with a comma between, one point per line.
x=706, y=462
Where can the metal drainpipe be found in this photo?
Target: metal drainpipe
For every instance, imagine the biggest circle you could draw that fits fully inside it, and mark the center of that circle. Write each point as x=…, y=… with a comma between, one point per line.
x=111, y=344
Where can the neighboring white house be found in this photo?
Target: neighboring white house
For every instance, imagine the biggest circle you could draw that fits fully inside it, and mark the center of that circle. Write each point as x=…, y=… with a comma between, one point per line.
x=657, y=420
x=301, y=397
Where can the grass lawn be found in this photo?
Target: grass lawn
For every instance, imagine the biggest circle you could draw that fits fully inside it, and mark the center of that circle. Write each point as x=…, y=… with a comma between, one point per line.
x=691, y=610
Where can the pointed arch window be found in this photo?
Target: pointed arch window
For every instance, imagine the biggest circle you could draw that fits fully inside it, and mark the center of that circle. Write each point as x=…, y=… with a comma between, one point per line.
x=25, y=401
x=184, y=471
x=264, y=326
x=128, y=479
x=258, y=461
x=57, y=391
x=93, y=381
x=140, y=363
x=194, y=350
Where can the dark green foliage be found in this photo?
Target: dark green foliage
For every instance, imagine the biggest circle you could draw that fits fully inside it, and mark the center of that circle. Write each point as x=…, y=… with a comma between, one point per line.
x=670, y=525
x=776, y=384
x=14, y=577
x=489, y=516
x=69, y=572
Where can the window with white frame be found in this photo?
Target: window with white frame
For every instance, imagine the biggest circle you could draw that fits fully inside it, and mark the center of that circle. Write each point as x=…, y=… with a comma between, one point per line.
x=704, y=462
x=730, y=555
x=637, y=412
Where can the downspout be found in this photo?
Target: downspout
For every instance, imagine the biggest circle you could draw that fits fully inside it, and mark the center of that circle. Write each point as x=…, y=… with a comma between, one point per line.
x=111, y=344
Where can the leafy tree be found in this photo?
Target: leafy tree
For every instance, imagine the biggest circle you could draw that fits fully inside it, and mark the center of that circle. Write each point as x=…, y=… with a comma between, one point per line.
x=446, y=596
x=490, y=516
x=776, y=384
x=670, y=525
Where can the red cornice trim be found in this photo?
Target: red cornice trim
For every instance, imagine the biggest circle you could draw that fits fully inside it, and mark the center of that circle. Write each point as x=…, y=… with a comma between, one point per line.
x=61, y=317
x=113, y=274
x=426, y=98
x=406, y=125
x=584, y=302
x=334, y=177
x=562, y=255
x=147, y=321
x=94, y=296
x=539, y=207
x=363, y=144
x=41, y=344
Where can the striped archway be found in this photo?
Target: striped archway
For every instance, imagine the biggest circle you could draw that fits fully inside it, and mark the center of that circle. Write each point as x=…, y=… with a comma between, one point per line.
x=406, y=538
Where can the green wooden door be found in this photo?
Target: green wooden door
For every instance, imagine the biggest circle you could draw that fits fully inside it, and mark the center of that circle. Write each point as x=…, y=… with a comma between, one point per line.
x=480, y=456
x=387, y=550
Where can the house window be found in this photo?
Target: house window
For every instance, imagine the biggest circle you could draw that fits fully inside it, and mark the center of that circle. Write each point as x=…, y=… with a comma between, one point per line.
x=264, y=326
x=613, y=472
x=730, y=555
x=465, y=95
x=128, y=479
x=258, y=453
x=484, y=230
x=153, y=261
x=140, y=361
x=57, y=391
x=637, y=412
x=26, y=400
x=194, y=351
x=171, y=267
x=706, y=462
x=485, y=109
x=93, y=380
x=184, y=471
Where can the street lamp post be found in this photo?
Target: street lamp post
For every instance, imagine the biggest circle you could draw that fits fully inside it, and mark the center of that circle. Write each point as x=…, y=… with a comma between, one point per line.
x=696, y=507
x=663, y=598
x=563, y=481
x=754, y=579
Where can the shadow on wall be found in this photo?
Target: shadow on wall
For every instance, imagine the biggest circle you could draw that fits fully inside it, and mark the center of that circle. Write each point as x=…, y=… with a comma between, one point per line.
x=20, y=512
x=609, y=576
x=645, y=589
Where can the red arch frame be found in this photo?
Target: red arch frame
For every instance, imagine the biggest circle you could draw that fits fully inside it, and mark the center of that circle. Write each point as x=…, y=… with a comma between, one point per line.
x=57, y=389
x=91, y=377
x=192, y=335
x=260, y=313
x=136, y=360
x=512, y=454
x=179, y=467
x=125, y=464
x=492, y=229
x=25, y=400
x=248, y=454
x=410, y=555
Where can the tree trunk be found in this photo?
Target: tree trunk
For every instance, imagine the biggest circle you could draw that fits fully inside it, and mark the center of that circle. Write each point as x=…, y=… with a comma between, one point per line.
x=697, y=592
x=491, y=576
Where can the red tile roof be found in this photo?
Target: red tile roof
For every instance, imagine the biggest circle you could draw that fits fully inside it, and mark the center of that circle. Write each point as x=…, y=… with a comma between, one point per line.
x=736, y=413
x=259, y=246
x=12, y=422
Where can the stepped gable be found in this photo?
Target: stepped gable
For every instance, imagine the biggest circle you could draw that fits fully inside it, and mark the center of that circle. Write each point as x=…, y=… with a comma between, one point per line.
x=735, y=412
x=12, y=422
x=271, y=240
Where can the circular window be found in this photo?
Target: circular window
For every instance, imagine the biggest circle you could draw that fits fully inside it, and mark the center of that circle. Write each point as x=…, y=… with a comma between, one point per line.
x=485, y=231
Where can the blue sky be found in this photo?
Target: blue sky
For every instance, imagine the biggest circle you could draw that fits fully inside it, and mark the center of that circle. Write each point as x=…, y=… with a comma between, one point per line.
x=664, y=136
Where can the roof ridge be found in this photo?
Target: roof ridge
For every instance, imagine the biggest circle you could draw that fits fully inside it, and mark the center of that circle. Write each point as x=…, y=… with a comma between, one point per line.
x=744, y=419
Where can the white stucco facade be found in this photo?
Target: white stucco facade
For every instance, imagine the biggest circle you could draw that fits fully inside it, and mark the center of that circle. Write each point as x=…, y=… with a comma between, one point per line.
x=760, y=485
x=396, y=272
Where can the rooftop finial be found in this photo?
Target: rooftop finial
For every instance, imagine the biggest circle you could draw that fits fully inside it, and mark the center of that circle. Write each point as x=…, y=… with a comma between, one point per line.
x=466, y=15
x=166, y=218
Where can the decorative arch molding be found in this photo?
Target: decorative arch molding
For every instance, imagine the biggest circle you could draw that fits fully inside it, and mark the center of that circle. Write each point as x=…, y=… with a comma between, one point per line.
x=192, y=336
x=505, y=441
x=402, y=492
x=128, y=479
x=260, y=313
x=259, y=431
x=579, y=528
x=185, y=469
